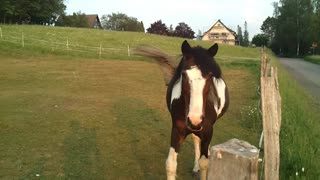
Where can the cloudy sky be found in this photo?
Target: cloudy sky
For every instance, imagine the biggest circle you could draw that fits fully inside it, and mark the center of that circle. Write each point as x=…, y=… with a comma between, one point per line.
x=200, y=14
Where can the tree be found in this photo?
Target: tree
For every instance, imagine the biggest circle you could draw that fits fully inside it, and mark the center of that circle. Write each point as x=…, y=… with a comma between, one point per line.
x=28, y=11
x=245, y=35
x=260, y=40
x=78, y=19
x=171, y=30
x=121, y=22
x=199, y=35
x=268, y=27
x=315, y=25
x=240, y=37
x=293, y=35
x=158, y=28
x=183, y=30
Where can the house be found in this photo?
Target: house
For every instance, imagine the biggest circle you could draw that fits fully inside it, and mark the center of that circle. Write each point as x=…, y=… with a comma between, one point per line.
x=220, y=33
x=79, y=20
x=94, y=21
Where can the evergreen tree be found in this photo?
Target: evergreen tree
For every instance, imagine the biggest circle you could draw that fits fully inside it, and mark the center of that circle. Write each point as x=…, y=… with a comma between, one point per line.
x=240, y=37
x=246, y=41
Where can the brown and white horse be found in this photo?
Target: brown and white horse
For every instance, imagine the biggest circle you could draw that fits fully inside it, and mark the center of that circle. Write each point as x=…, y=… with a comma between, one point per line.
x=196, y=97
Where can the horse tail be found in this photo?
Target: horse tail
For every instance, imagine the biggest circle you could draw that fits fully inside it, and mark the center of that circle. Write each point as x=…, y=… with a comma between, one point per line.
x=164, y=61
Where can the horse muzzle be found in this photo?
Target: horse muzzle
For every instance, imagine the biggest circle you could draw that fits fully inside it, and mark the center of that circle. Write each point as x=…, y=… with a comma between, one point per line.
x=193, y=127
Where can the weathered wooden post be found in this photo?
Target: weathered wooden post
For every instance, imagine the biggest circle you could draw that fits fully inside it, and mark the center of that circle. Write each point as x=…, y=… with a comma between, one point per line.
x=233, y=160
x=271, y=117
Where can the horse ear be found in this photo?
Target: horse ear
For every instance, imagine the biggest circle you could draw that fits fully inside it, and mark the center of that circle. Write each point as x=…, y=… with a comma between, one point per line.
x=213, y=50
x=185, y=47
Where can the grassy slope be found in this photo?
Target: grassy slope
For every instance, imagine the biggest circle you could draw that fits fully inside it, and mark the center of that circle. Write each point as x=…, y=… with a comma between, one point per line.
x=300, y=137
x=66, y=115
x=93, y=38
x=313, y=59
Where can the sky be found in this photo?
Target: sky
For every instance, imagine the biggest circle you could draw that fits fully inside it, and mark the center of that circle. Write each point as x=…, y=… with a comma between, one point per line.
x=198, y=14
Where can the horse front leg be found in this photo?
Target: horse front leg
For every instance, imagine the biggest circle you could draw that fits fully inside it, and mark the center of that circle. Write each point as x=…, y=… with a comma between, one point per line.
x=204, y=161
x=177, y=139
x=196, y=142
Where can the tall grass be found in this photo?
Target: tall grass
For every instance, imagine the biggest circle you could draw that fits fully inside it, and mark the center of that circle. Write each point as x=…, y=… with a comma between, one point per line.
x=299, y=136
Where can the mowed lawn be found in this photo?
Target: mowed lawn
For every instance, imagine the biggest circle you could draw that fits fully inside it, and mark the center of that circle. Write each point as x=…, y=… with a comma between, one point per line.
x=104, y=119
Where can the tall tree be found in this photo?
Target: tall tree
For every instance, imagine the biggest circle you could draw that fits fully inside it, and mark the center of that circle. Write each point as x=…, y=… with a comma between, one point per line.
x=183, y=30
x=121, y=22
x=293, y=26
x=158, y=28
x=315, y=25
x=239, y=33
x=268, y=27
x=245, y=35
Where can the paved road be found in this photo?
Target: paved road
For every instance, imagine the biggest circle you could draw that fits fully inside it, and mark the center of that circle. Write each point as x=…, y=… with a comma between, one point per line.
x=307, y=74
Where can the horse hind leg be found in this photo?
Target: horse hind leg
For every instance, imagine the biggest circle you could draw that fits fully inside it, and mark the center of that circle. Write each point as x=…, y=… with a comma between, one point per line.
x=196, y=168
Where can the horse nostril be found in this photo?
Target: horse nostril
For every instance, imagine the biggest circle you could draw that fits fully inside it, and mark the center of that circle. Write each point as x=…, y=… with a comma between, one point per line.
x=192, y=126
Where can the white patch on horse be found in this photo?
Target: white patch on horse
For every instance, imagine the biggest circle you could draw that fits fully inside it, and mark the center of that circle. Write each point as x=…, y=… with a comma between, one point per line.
x=196, y=141
x=171, y=164
x=220, y=87
x=176, y=90
x=196, y=82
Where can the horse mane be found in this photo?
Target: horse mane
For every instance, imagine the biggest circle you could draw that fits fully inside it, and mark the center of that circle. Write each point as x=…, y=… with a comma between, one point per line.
x=207, y=64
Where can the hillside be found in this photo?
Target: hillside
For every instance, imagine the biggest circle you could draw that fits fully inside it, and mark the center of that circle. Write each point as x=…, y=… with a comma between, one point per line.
x=92, y=43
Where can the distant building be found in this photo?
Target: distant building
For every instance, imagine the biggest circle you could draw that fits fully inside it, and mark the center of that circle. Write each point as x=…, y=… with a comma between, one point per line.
x=79, y=20
x=220, y=33
x=94, y=21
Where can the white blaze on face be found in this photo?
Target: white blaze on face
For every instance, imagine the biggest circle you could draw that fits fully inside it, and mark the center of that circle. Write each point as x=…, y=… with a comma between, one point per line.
x=197, y=83
x=220, y=87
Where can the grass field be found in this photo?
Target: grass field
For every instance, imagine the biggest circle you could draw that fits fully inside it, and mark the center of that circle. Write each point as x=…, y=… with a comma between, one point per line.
x=313, y=59
x=67, y=115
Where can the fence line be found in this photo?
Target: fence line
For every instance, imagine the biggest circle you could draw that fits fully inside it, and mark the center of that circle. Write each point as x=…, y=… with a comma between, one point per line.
x=29, y=40
x=25, y=40
x=271, y=117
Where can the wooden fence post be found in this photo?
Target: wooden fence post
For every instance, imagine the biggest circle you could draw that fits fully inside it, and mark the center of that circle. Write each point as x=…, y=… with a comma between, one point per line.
x=233, y=160
x=100, y=51
x=0, y=32
x=271, y=117
x=22, y=39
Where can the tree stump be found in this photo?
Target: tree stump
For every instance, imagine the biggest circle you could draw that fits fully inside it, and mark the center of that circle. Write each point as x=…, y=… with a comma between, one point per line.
x=234, y=159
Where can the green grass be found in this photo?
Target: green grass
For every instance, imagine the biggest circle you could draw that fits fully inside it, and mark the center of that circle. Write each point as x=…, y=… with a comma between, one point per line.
x=313, y=59
x=299, y=136
x=70, y=115
x=85, y=43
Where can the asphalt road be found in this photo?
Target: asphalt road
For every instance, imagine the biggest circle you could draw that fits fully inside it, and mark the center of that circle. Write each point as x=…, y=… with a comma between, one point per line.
x=307, y=74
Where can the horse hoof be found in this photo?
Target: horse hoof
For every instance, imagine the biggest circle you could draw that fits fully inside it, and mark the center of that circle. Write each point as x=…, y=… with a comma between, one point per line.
x=196, y=174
